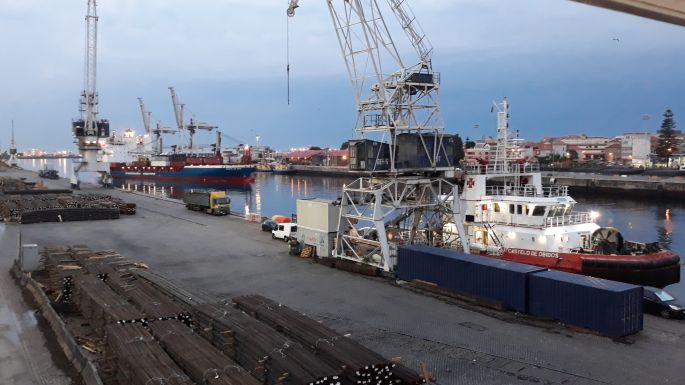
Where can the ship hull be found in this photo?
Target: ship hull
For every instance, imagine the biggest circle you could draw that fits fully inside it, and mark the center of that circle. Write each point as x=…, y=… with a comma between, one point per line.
x=658, y=269
x=191, y=174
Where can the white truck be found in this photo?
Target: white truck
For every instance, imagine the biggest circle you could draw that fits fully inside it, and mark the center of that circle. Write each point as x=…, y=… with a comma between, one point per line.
x=284, y=231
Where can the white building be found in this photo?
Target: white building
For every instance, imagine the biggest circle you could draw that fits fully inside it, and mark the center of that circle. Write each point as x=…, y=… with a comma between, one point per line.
x=635, y=148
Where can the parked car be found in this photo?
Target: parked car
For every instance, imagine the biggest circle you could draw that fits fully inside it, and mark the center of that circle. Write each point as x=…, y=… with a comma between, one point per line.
x=285, y=231
x=269, y=225
x=660, y=302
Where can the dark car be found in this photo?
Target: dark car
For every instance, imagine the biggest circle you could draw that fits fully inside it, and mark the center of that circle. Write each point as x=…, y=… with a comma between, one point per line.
x=660, y=302
x=269, y=225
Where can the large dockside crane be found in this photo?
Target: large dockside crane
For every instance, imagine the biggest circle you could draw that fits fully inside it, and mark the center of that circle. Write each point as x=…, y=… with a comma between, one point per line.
x=88, y=130
x=192, y=126
x=405, y=198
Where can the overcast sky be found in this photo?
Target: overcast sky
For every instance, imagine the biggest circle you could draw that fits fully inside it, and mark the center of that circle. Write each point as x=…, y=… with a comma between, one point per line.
x=556, y=60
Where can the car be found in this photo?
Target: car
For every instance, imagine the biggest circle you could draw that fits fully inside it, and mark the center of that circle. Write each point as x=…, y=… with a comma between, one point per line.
x=285, y=231
x=659, y=302
x=269, y=225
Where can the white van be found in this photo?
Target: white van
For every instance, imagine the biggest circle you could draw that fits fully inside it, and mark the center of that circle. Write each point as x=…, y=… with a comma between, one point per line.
x=285, y=231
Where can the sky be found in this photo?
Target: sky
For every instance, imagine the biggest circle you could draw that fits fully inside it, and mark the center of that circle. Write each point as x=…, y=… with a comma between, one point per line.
x=557, y=61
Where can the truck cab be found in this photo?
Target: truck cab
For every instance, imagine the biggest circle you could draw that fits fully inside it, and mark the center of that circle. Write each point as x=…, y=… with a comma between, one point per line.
x=285, y=231
x=220, y=204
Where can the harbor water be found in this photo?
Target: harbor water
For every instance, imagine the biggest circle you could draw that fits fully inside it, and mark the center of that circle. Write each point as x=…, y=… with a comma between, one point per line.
x=639, y=220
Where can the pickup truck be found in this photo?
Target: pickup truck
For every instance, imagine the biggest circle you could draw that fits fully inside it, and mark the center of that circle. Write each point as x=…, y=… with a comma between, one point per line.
x=212, y=202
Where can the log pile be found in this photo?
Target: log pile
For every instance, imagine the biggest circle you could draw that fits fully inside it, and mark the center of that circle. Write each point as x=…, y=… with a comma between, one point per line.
x=363, y=366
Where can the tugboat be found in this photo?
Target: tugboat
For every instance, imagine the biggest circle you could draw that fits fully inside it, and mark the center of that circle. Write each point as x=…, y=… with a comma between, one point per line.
x=509, y=214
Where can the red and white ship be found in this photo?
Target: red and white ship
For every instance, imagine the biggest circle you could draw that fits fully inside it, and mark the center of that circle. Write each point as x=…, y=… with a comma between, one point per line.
x=509, y=214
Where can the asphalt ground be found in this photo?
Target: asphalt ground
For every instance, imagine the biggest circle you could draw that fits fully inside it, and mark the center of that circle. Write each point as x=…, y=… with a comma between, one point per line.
x=459, y=343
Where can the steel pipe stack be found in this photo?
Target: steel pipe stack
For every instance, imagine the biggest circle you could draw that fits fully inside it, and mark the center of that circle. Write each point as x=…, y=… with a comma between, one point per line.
x=268, y=355
x=363, y=366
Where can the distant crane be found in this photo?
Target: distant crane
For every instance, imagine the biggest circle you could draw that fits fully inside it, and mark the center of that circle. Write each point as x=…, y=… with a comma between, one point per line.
x=192, y=126
x=403, y=199
x=88, y=130
x=13, y=161
x=157, y=131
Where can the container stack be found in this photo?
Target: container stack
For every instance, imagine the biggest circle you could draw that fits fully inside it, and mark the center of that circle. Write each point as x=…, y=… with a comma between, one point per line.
x=361, y=364
x=611, y=308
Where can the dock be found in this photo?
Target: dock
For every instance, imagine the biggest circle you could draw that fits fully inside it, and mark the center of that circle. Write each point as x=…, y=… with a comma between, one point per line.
x=653, y=186
x=459, y=342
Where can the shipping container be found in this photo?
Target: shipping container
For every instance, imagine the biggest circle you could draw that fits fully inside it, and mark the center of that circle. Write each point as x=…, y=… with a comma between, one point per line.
x=493, y=279
x=608, y=307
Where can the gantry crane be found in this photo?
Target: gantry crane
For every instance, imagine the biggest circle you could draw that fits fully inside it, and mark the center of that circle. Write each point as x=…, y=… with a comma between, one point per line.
x=405, y=198
x=88, y=130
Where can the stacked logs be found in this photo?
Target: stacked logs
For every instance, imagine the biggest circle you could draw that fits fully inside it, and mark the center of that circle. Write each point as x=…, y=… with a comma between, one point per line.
x=363, y=366
x=197, y=357
x=267, y=354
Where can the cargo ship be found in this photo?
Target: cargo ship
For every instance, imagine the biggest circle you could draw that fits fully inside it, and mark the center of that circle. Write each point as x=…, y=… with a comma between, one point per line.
x=509, y=214
x=192, y=168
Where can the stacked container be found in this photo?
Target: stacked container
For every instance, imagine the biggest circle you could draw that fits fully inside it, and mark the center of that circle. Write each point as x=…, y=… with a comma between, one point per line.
x=608, y=307
x=492, y=279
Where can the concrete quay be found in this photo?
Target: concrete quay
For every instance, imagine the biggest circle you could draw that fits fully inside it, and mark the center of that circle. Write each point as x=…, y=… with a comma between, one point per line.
x=459, y=343
x=655, y=187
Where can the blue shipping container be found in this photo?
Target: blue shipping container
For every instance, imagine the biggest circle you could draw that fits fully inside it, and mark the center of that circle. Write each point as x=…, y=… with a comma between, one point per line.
x=608, y=307
x=493, y=279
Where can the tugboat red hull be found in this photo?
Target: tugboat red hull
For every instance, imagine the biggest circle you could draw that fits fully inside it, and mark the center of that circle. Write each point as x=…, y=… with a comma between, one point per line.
x=658, y=269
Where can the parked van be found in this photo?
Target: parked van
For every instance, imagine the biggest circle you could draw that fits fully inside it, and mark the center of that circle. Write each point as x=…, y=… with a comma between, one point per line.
x=285, y=231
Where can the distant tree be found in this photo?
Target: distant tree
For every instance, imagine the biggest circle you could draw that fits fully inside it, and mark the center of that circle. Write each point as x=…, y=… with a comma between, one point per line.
x=458, y=149
x=344, y=145
x=668, y=142
x=469, y=143
x=573, y=154
x=315, y=148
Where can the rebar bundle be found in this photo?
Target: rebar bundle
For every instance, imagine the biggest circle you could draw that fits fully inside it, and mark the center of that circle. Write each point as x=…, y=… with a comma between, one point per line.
x=140, y=359
x=363, y=366
x=267, y=354
x=204, y=363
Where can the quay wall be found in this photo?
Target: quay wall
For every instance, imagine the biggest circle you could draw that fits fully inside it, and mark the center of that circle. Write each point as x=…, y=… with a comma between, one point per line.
x=654, y=187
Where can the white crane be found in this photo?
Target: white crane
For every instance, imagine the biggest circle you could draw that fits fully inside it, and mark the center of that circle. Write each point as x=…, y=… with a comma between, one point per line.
x=192, y=126
x=404, y=200
x=146, y=116
x=88, y=130
x=13, y=161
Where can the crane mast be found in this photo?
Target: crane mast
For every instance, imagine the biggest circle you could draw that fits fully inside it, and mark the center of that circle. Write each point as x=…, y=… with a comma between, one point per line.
x=399, y=105
x=146, y=116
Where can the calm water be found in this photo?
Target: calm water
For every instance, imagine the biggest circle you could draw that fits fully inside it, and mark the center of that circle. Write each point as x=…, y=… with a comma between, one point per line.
x=639, y=220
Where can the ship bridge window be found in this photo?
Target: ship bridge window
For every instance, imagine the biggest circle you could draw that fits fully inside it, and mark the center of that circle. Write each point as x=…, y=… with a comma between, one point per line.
x=496, y=207
x=539, y=211
x=512, y=209
x=519, y=209
x=556, y=211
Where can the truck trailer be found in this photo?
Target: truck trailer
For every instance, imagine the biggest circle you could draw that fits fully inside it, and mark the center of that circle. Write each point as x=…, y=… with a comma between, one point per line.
x=211, y=202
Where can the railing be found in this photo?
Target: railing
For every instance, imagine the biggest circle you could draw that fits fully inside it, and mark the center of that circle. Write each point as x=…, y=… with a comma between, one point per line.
x=566, y=220
x=528, y=191
x=502, y=168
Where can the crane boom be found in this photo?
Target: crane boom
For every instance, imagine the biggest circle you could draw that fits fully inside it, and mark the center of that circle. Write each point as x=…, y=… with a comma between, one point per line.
x=146, y=116
x=89, y=100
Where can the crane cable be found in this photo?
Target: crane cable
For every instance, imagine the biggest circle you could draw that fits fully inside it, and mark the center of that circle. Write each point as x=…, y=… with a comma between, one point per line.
x=287, y=54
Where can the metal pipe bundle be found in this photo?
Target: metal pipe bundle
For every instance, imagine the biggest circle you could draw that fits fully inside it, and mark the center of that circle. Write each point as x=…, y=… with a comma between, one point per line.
x=363, y=366
x=267, y=354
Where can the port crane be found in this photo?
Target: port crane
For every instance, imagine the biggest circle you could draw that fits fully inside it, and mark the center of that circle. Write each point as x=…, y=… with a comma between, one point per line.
x=193, y=124
x=406, y=197
x=157, y=131
x=13, y=161
x=88, y=130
